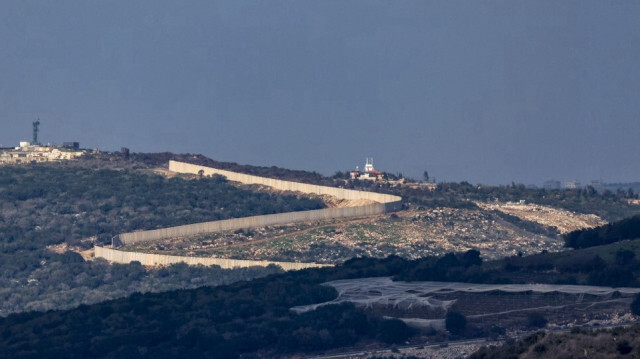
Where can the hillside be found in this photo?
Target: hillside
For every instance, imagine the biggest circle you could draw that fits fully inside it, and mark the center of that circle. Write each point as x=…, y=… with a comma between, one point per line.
x=451, y=222
x=621, y=342
x=410, y=234
x=606, y=204
x=75, y=205
x=254, y=319
x=48, y=213
x=48, y=210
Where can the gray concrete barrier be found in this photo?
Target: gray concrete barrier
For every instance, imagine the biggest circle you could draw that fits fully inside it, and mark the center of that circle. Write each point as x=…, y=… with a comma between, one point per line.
x=340, y=193
x=386, y=203
x=250, y=222
x=149, y=259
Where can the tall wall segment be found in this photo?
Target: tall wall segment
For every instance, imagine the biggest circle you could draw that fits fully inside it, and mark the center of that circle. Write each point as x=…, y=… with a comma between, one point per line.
x=340, y=193
x=386, y=203
x=149, y=259
x=250, y=222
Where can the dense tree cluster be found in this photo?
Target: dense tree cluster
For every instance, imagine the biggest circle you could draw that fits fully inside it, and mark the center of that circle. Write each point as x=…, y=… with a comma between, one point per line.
x=254, y=317
x=455, y=322
x=220, y=322
x=73, y=203
x=44, y=205
x=622, y=269
x=628, y=228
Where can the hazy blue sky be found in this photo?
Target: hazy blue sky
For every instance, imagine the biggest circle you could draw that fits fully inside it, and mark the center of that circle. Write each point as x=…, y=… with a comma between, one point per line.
x=483, y=91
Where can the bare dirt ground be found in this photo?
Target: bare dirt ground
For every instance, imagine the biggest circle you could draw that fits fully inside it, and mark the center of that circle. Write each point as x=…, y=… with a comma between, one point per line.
x=87, y=254
x=164, y=172
x=410, y=234
x=333, y=202
x=564, y=221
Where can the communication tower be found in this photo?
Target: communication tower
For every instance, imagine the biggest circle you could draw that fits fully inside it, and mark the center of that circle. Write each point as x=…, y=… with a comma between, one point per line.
x=35, y=131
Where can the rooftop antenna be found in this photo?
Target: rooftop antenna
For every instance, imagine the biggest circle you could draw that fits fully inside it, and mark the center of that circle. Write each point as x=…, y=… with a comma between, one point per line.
x=35, y=131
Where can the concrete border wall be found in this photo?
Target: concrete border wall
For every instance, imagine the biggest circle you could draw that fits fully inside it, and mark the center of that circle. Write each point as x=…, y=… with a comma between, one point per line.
x=250, y=222
x=341, y=193
x=387, y=203
x=149, y=259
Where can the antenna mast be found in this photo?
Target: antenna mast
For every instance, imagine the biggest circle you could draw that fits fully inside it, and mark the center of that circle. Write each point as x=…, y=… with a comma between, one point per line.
x=35, y=131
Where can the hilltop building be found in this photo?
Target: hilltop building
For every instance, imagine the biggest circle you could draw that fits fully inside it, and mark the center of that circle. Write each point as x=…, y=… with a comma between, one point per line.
x=28, y=153
x=572, y=185
x=369, y=173
x=34, y=152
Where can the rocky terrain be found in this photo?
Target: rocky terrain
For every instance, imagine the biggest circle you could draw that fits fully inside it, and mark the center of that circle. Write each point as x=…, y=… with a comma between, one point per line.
x=564, y=221
x=410, y=234
x=434, y=351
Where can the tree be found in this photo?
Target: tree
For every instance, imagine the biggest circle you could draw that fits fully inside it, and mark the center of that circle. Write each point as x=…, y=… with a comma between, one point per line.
x=635, y=305
x=425, y=175
x=536, y=320
x=394, y=331
x=624, y=257
x=471, y=257
x=455, y=322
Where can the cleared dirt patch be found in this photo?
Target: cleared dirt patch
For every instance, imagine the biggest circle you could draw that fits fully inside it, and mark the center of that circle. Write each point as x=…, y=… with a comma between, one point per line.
x=409, y=234
x=564, y=221
x=333, y=202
